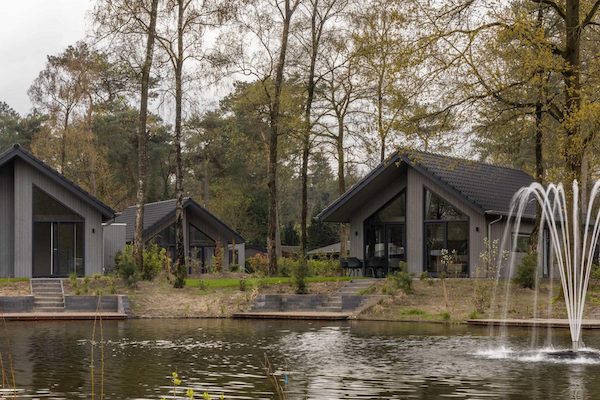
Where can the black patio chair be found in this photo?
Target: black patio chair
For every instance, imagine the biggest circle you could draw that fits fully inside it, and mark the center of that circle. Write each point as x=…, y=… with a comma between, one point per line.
x=376, y=266
x=354, y=266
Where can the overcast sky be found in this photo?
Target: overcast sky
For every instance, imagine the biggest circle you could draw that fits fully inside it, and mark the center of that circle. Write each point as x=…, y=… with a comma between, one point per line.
x=29, y=31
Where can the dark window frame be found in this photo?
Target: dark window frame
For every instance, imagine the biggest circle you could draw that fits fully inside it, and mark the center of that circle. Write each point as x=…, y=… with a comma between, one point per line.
x=427, y=222
x=59, y=221
x=385, y=226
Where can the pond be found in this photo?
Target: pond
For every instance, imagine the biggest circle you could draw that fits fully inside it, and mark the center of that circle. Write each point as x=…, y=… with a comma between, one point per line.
x=322, y=360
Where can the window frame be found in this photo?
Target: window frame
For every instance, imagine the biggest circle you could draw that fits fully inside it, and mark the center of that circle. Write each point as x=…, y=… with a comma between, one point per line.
x=426, y=222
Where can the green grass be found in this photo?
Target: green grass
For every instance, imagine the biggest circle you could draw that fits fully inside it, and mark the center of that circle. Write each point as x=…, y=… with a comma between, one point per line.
x=4, y=281
x=221, y=283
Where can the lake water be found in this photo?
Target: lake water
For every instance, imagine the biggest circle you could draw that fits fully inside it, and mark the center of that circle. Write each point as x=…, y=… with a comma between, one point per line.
x=322, y=360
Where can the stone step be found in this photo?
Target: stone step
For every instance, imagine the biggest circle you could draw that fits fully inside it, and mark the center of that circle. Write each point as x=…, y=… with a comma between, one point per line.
x=53, y=301
x=48, y=291
x=329, y=309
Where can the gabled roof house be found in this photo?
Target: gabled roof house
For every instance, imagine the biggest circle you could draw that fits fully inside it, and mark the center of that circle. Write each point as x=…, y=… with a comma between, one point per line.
x=414, y=206
x=50, y=226
x=203, y=232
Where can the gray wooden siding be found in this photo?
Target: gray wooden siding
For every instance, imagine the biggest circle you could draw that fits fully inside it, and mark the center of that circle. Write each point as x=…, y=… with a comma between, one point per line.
x=415, y=183
x=357, y=247
x=25, y=178
x=114, y=241
x=7, y=221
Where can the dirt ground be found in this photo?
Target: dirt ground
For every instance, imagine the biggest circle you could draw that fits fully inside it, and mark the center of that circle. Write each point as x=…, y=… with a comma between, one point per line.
x=15, y=288
x=474, y=298
x=158, y=298
x=466, y=298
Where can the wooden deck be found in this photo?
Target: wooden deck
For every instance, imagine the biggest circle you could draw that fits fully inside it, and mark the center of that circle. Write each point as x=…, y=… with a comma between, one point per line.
x=538, y=322
x=315, y=315
x=61, y=316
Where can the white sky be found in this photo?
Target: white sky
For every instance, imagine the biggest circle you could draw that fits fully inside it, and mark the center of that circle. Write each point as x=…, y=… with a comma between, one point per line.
x=29, y=31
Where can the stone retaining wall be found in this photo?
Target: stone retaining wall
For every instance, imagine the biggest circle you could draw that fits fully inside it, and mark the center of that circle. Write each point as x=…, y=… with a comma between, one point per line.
x=301, y=302
x=16, y=304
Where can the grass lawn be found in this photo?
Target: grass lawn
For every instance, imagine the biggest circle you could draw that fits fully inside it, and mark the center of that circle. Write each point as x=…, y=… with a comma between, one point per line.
x=220, y=283
x=11, y=280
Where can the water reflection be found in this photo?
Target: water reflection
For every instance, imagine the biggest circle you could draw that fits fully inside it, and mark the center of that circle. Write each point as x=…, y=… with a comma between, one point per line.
x=357, y=360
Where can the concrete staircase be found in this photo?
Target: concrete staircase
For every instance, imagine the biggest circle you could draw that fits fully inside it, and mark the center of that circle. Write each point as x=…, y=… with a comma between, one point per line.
x=356, y=286
x=48, y=294
x=333, y=302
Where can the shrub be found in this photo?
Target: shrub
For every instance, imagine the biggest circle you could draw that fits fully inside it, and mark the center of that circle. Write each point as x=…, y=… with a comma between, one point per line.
x=399, y=280
x=481, y=297
x=299, y=275
x=258, y=264
x=325, y=267
x=287, y=266
x=243, y=284
x=595, y=274
x=155, y=260
x=126, y=267
x=218, y=258
x=234, y=268
x=526, y=271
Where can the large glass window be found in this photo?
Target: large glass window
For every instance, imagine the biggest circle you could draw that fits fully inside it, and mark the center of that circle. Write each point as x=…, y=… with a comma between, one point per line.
x=202, y=248
x=385, y=237
x=446, y=237
x=58, y=238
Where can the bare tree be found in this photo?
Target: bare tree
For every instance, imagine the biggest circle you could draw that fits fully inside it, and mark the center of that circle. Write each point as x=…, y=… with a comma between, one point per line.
x=126, y=22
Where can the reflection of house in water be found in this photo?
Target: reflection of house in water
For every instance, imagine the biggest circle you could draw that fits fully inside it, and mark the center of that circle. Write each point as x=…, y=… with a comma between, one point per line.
x=415, y=206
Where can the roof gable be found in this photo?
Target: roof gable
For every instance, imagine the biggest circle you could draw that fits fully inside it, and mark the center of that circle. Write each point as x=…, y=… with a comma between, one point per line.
x=487, y=188
x=158, y=213
x=16, y=151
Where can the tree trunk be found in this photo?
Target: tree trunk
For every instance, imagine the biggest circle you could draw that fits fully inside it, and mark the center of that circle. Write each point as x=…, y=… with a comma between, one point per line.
x=63, y=144
x=310, y=92
x=573, y=152
x=380, y=128
x=179, y=241
x=341, y=175
x=142, y=139
x=273, y=139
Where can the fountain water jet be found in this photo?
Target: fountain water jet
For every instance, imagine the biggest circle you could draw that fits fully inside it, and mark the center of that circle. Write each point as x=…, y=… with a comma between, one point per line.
x=574, y=251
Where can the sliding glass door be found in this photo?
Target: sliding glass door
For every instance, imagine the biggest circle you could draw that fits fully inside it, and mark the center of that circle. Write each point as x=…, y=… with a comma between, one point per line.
x=58, y=249
x=58, y=238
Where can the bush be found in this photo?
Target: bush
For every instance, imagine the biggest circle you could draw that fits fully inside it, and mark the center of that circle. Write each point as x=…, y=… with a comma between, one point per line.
x=125, y=266
x=481, y=297
x=326, y=267
x=155, y=260
x=399, y=280
x=258, y=264
x=243, y=284
x=287, y=266
x=299, y=275
x=526, y=271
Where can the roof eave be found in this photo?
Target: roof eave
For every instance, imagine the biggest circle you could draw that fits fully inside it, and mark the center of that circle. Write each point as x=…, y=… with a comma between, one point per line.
x=17, y=151
x=343, y=199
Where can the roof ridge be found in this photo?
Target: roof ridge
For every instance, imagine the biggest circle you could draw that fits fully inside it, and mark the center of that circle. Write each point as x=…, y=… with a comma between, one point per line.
x=460, y=159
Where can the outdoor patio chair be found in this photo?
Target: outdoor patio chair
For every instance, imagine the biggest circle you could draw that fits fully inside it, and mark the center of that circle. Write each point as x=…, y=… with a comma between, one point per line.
x=374, y=266
x=354, y=266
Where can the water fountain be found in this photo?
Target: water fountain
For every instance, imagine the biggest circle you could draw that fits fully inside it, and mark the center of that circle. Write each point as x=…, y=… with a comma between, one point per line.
x=573, y=242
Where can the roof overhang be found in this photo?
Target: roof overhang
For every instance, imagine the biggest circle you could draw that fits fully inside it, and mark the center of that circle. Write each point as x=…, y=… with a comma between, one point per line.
x=344, y=206
x=16, y=151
